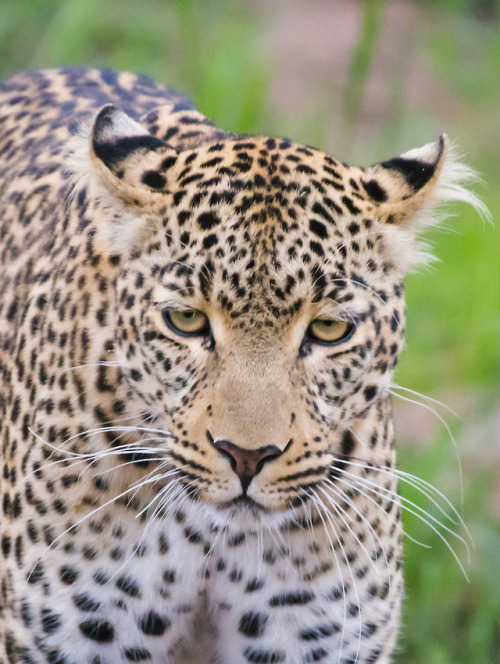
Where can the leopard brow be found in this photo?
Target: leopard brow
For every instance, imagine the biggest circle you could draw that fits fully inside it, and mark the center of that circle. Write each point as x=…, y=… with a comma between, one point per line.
x=336, y=310
x=174, y=301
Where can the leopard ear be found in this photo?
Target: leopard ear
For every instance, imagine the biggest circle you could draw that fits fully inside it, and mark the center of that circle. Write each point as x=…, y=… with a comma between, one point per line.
x=406, y=192
x=401, y=186
x=130, y=162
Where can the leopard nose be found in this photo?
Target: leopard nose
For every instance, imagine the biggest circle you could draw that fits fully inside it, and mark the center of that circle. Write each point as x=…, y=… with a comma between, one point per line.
x=246, y=463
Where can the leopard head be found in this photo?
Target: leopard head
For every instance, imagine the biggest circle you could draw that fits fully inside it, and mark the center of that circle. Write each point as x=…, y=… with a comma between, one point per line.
x=259, y=307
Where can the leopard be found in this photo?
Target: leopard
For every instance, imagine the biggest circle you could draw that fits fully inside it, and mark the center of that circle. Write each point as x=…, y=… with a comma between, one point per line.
x=198, y=332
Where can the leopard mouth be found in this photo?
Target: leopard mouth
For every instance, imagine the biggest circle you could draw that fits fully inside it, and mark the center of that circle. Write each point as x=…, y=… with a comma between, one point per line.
x=244, y=502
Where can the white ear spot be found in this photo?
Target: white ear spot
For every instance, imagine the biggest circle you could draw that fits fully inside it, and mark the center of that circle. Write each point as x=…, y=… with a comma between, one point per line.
x=114, y=124
x=428, y=153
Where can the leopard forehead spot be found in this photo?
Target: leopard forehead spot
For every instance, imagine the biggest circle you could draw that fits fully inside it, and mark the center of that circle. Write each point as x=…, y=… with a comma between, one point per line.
x=197, y=337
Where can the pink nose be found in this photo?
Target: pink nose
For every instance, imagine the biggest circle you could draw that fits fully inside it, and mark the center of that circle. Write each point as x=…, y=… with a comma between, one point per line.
x=246, y=463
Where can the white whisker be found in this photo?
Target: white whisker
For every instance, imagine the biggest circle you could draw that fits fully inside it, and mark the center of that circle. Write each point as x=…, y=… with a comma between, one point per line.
x=337, y=509
x=395, y=498
x=424, y=396
x=448, y=430
x=395, y=521
x=322, y=508
x=414, y=481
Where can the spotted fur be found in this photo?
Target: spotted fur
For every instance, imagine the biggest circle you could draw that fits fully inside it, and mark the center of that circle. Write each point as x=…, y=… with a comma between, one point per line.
x=229, y=497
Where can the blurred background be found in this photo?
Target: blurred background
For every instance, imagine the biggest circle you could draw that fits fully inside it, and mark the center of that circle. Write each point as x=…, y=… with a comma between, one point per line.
x=362, y=81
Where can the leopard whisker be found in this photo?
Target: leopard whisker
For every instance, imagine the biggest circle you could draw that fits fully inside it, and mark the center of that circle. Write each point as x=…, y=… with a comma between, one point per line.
x=122, y=450
x=398, y=500
x=389, y=492
x=158, y=496
x=178, y=499
x=426, y=397
x=103, y=363
x=447, y=428
x=349, y=484
x=87, y=516
x=317, y=504
x=107, y=470
x=112, y=450
x=160, y=434
x=128, y=463
x=373, y=534
x=418, y=484
x=137, y=548
x=175, y=488
x=320, y=507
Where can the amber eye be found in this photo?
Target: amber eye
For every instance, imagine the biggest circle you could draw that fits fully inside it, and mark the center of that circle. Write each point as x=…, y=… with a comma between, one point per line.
x=187, y=323
x=330, y=331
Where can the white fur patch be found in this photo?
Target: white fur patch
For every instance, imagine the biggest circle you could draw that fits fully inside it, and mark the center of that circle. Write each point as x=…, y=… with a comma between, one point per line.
x=123, y=225
x=453, y=184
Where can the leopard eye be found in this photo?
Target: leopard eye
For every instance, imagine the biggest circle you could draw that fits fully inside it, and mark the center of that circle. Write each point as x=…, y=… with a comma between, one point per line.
x=187, y=323
x=330, y=331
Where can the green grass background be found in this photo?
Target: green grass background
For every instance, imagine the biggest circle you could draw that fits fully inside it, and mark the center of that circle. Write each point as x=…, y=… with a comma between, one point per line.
x=214, y=51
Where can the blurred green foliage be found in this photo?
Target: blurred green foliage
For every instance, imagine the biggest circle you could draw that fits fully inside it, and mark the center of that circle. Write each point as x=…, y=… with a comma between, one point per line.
x=205, y=49
x=213, y=51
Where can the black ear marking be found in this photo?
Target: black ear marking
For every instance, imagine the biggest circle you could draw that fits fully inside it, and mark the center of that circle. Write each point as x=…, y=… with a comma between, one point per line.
x=111, y=153
x=115, y=137
x=417, y=172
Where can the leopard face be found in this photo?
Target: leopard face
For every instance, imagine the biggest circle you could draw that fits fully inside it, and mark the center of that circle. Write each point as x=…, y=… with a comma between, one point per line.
x=284, y=272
